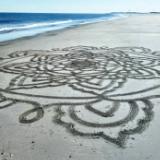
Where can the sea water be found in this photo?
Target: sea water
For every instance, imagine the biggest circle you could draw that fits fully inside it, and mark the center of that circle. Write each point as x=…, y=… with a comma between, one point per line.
x=17, y=25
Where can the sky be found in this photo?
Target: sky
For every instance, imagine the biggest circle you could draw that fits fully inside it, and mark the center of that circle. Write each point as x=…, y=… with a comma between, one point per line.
x=79, y=6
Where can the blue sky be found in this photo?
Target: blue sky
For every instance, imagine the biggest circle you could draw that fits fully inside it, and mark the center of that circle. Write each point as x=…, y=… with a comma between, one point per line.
x=85, y=6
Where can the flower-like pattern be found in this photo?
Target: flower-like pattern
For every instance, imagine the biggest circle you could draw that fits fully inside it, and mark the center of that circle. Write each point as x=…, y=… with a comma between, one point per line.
x=80, y=68
x=99, y=91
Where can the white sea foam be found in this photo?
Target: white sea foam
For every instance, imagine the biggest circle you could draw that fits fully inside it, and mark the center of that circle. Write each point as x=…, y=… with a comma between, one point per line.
x=32, y=26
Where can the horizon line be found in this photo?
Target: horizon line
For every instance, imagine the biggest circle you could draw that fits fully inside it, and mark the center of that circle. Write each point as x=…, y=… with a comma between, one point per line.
x=81, y=12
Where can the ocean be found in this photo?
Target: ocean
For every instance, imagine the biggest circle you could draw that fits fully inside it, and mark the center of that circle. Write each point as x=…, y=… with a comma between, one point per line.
x=17, y=25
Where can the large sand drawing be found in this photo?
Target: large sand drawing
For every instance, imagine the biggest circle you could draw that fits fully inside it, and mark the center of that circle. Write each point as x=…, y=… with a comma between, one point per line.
x=97, y=92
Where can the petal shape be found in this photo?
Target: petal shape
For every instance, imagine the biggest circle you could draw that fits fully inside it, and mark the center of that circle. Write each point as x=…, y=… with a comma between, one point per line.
x=39, y=114
x=101, y=88
x=130, y=118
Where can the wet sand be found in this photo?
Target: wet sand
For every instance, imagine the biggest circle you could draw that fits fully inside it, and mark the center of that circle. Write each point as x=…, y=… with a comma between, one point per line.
x=89, y=92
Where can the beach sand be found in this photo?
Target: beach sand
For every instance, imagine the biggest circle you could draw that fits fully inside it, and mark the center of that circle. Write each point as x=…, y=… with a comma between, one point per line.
x=131, y=66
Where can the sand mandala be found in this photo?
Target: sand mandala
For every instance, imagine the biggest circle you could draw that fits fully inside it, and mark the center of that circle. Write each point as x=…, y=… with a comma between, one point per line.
x=97, y=92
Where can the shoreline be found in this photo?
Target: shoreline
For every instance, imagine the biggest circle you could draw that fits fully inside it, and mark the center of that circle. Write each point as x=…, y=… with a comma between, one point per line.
x=76, y=26
x=53, y=32
x=137, y=30
x=28, y=25
x=47, y=33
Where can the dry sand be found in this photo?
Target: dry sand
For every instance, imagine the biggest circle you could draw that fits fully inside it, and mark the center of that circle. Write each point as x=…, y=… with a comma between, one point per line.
x=131, y=65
